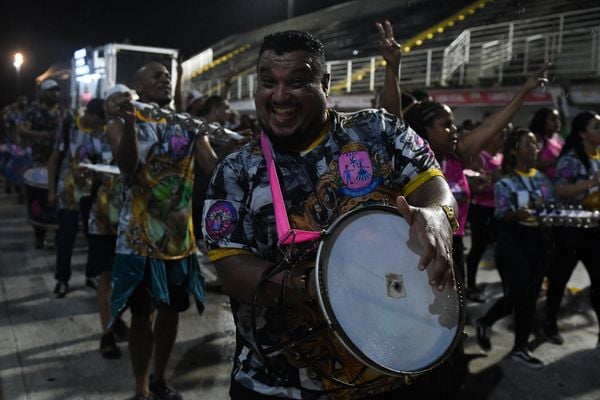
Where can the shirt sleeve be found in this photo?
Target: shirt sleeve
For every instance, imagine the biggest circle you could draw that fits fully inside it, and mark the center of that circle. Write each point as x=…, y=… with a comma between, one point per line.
x=414, y=161
x=226, y=220
x=567, y=169
x=502, y=199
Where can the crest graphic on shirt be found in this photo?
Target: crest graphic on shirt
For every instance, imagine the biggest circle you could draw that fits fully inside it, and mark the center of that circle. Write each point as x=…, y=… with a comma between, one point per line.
x=356, y=170
x=179, y=146
x=220, y=220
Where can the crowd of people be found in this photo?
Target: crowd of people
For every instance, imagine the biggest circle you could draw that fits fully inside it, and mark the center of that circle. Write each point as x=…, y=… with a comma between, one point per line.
x=149, y=193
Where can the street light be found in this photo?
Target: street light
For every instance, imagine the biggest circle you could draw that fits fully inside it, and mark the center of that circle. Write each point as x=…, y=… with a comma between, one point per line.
x=18, y=62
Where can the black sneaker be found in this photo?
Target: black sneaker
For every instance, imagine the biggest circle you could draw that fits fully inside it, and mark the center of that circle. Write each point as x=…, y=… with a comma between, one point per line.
x=61, y=289
x=552, y=334
x=474, y=295
x=108, y=347
x=483, y=335
x=92, y=282
x=525, y=357
x=163, y=390
x=120, y=329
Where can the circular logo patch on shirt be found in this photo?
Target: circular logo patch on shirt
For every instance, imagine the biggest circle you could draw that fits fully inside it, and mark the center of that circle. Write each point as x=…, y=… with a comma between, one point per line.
x=220, y=220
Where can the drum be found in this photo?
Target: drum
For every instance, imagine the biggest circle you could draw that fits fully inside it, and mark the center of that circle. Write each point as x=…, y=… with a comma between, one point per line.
x=569, y=217
x=377, y=302
x=40, y=214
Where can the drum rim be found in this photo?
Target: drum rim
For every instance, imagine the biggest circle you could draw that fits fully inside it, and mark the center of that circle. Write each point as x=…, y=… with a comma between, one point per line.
x=335, y=326
x=33, y=184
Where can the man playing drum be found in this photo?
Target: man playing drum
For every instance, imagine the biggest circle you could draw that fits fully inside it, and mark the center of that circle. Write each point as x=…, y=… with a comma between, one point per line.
x=327, y=164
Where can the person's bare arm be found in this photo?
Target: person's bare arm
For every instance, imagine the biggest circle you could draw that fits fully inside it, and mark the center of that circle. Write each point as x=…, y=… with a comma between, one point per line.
x=391, y=52
x=470, y=144
x=423, y=211
x=52, y=174
x=570, y=191
x=24, y=131
x=122, y=138
x=205, y=155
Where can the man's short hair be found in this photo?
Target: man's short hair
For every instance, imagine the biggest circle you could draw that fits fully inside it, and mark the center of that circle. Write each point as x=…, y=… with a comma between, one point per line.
x=288, y=41
x=96, y=106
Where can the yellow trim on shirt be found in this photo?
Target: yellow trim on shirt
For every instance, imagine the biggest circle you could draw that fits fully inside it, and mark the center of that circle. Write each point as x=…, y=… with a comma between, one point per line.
x=142, y=118
x=219, y=254
x=528, y=174
x=419, y=180
x=594, y=156
x=80, y=126
x=320, y=136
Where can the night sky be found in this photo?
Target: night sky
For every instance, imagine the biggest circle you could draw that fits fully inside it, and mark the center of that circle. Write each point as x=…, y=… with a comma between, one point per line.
x=49, y=31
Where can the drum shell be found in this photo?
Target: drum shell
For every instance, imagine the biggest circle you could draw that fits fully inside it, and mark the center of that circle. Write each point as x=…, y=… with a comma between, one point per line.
x=40, y=214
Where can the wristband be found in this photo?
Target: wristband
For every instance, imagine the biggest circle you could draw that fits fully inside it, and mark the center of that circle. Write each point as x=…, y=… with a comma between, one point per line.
x=451, y=215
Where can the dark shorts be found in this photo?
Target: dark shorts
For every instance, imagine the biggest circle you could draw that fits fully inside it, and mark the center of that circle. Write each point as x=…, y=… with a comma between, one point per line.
x=101, y=253
x=143, y=302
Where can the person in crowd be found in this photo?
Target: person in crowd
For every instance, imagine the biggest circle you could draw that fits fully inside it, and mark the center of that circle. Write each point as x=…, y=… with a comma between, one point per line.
x=69, y=189
x=248, y=124
x=481, y=212
x=194, y=103
x=435, y=122
x=216, y=109
x=517, y=196
x=545, y=123
x=102, y=227
x=16, y=157
x=43, y=123
x=155, y=265
x=577, y=177
x=308, y=141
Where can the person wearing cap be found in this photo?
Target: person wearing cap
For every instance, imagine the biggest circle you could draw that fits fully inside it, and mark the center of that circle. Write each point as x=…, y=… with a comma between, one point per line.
x=102, y=226
x=194, y=103
x=69, y=189
x=42, y=125
x=156, y=268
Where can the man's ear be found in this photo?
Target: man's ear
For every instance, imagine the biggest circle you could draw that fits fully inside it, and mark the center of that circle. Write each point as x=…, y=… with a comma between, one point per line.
x=325, y=83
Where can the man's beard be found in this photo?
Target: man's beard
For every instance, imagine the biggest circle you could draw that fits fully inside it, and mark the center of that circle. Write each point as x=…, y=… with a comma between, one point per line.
x=295, y=141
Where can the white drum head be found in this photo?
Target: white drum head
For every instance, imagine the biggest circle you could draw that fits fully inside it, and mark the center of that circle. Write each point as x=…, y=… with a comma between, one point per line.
x=379, y=304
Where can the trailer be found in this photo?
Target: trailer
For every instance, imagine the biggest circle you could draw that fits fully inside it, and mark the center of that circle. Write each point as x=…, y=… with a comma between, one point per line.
x=95, y=70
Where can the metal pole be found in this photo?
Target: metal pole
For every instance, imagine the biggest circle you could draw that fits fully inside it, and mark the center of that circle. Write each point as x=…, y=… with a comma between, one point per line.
x=290, y=9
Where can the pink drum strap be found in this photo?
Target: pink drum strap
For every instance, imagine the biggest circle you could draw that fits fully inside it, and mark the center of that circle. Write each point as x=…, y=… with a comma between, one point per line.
x=284, y=232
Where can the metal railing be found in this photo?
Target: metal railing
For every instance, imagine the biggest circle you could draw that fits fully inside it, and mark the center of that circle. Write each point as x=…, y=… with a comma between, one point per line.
x=497, y=53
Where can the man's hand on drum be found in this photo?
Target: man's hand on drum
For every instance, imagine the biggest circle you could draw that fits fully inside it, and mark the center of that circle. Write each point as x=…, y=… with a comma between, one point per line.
x=432, y=228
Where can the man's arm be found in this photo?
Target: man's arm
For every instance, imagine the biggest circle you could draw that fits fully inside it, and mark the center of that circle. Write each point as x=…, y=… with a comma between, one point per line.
x=24, y=131
x=391, y=52
x=122, y=138
x=205, y=155
x=424, y=211
x=471, y=144
x=241, y=275
x=52, y=174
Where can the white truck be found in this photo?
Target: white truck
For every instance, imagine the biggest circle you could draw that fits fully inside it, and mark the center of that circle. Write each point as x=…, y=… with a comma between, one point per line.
x=95, y=70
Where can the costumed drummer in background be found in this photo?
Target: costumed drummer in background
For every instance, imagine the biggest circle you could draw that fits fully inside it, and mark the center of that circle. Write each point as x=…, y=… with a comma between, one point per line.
x=43, y=124
x=520, y=243
x=69, y=188
x=155, y=266
x=577, y=182
x=328, y=164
